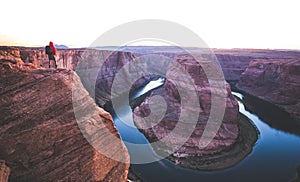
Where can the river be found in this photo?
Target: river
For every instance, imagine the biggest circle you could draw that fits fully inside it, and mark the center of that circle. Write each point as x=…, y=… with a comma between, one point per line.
x=275, y=156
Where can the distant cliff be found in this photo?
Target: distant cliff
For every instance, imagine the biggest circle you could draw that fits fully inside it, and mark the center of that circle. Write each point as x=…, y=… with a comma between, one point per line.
x=235, y=61
x=269, y=75
x=275, y=81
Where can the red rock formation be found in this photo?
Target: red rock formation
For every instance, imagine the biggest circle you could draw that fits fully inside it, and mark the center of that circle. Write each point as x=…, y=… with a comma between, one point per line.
x=4, y=171
x=228, y=132
x=39, y=137
x=226, y=135
x=112, y=63
x=275, y=81
x=65, y=58
x=235, y=61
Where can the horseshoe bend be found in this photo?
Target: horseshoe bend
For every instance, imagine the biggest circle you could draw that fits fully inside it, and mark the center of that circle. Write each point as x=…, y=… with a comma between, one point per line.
x=54, y=125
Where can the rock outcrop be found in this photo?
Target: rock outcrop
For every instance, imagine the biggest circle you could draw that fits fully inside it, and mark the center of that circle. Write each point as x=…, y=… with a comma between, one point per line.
x=275, y=81
x=4, y=171
x=156, y=130
x=228, y=132
x=39, y=137
x=67, y=59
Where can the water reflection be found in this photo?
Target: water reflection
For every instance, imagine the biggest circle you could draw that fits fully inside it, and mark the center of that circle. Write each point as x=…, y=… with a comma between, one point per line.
x=275, y=157
x=272, y=115
x=150, y=86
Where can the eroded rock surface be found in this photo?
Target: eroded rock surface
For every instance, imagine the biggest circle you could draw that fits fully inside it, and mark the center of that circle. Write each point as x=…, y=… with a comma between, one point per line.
x=4, y=171
x=228, y=133
x=270, y=75
x=235, y=61
x=39, y=137
x=156, y=130
x=275, y=81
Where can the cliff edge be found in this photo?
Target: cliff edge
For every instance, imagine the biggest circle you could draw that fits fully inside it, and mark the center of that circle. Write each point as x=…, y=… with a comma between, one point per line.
x=39, y=137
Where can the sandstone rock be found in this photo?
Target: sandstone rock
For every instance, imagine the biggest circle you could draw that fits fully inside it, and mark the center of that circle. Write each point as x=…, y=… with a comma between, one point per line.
x=235, y=61
x=114, y=64
x=4, y=171
x=39, y=137
x=280, y=88
x=64, y=58
x=275, y=81
x=226, y=135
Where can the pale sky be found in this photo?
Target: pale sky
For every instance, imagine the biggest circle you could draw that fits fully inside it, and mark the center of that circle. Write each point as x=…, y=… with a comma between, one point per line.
x=220, y=23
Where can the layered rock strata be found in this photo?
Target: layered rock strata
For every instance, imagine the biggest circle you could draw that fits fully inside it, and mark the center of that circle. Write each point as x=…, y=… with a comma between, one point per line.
x=235, y=61
x=227, y=135
x=275, y=81
x=227, y=142
x=48, y=135
x=4, y=171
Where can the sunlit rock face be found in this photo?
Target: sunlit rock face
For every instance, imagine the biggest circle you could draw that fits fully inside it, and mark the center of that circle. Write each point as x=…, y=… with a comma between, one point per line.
x=40, y=137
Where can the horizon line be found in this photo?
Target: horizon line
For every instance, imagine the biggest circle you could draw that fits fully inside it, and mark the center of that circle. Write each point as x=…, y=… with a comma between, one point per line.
x=83, y=47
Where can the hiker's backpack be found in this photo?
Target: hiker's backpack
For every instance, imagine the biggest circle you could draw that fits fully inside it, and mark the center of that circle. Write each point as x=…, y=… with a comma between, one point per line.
x=48, y=50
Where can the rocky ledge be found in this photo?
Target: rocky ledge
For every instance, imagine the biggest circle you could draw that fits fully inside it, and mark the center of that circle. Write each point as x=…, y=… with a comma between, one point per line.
x=40, y=137
x=4, y=171
x=275, y=81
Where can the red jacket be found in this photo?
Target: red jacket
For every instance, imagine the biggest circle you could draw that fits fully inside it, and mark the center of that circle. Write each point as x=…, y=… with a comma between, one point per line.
x=52, y=47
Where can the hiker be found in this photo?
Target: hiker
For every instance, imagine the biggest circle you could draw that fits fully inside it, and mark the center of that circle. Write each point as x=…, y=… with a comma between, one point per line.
x=51, y=52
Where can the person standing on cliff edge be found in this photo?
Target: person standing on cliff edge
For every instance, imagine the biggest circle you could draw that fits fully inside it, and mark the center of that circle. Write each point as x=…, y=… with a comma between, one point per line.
x=51, y=52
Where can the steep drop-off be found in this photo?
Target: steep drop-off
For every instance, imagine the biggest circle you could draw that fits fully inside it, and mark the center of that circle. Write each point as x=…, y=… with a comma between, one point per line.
x=98, y=69
x=275, y=81
x=39, y=137
x=228, y=133
x=270, y=75
x=228, y=145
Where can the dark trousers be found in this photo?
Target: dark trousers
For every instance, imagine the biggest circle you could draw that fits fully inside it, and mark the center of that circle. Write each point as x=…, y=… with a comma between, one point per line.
x=51, y=57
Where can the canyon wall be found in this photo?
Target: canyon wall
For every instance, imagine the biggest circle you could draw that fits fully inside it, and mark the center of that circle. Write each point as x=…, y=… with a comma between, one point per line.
x=275, y=81
x=40, y=137
x=161, y=63
x=235, y=61
x=99, y=68
x=269, y=75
